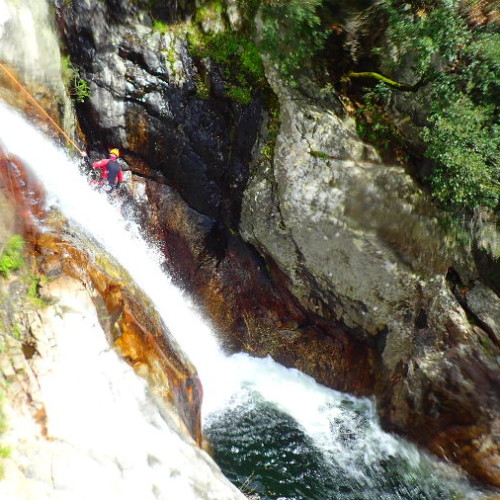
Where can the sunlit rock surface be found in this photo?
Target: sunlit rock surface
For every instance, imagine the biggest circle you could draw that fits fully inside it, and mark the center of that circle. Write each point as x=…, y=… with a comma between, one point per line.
x=361, y=243
x=250, y=311
x=29, y=50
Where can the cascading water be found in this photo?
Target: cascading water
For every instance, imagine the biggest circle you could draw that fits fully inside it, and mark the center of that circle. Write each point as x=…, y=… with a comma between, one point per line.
x=273, y=430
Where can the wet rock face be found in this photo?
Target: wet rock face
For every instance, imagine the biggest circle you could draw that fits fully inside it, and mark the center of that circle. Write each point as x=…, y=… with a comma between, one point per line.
x=176, y=10
x=52, y=372
x=139, y=334
x=22, y=191
x=246, y=297
x=143, y=100
x=128, y=319
x=448, y=402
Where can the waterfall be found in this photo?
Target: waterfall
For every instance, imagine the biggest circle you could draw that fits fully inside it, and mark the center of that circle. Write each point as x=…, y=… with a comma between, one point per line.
x=323, y=444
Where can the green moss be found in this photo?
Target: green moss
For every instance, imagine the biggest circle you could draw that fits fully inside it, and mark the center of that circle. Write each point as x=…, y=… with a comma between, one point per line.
x=171, y=56
x=202, y=88
x=11, y=258
x=210, y=11
x=17, y=331
x=33, y=291
x=267, y=151
x=319, y=154
x=240, y=59
x=485, y=341
x=234, y=51
x=243, y=95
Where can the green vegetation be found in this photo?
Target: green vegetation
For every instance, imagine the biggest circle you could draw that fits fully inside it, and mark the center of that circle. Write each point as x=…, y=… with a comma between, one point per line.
x=11, y=258
x=243, y=95
x=160, y=26
x=319, y=154
x=239, y=57
x=462, y=66
x=464, y=145
x=33, y=294
x=455, y=68
x=17, y=331
x=292, y=34
x=381, y=78
x=210, y=11
x=202, y=88
x=77, y=87
x=273, y=126
x=374, y=126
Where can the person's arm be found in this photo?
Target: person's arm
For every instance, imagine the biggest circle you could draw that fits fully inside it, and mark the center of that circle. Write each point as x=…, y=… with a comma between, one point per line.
x=86, y=158
x=119, y=177
x=100, y=163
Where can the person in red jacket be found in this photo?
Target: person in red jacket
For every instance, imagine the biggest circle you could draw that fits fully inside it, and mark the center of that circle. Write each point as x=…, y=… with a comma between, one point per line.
x=110, y=170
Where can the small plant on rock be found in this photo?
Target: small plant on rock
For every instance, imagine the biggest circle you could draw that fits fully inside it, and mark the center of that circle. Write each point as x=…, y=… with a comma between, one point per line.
x=78, y=88
x=11, y=257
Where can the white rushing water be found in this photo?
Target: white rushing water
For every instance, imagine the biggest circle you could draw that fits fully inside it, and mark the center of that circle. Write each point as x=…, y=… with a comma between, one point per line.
x=322, y=413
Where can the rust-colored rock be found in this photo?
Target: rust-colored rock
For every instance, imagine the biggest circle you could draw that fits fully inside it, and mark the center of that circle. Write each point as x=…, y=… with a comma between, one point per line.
x=126, y=314
x=463, y=427
x=246, y=298
x=23, y=189
x=139, y=334
x=48, y=99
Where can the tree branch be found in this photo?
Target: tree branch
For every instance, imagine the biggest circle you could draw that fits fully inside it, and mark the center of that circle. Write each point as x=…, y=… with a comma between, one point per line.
x=396, y=85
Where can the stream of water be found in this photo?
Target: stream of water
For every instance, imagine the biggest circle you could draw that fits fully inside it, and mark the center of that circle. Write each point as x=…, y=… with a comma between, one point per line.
x=275, y=432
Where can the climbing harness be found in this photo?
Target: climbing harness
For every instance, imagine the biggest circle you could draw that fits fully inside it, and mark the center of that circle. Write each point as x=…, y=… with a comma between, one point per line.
x=34, y=101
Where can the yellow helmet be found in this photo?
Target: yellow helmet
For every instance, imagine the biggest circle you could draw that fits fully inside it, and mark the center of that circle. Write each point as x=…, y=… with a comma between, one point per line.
x=115, y=152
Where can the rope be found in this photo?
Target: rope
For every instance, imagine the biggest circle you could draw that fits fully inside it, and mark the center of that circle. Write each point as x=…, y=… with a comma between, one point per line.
x=34, y=101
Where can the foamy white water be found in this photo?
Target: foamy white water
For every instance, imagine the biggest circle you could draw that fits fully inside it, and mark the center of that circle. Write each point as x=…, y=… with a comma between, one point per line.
x=70, y=192
x=225, y=379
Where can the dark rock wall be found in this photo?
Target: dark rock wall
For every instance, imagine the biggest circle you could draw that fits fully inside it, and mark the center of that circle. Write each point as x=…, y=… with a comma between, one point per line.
x=203, y=149
x=150, y=110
